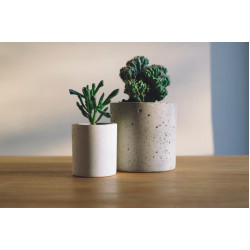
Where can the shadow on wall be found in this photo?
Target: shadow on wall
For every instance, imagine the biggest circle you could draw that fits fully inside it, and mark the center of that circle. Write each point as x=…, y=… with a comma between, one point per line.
x=39, y=141
x=230, y=111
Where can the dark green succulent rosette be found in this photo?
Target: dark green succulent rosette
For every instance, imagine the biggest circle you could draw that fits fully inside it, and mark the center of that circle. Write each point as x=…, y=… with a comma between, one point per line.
x=144, y=83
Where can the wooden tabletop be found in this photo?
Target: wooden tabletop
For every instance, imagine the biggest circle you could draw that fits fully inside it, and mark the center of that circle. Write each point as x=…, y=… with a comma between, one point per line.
x=196, y=182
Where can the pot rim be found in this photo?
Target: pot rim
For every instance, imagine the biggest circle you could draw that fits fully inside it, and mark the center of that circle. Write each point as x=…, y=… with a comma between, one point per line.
x=96, y=125
x=143, y=103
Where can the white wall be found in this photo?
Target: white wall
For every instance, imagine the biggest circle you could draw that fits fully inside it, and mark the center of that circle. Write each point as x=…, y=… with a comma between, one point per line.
x=37, y=111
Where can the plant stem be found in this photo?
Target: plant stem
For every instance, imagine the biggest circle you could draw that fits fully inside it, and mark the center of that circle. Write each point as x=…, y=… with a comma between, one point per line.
x=90, y=119
x=94, y=117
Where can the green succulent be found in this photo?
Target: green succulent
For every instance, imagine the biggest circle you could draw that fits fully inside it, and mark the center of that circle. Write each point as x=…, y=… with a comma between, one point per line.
x=90, y=107
x=144, y=83
x=136, y=90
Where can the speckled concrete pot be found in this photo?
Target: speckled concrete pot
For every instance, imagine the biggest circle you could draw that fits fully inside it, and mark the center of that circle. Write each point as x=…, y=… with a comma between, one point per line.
x=146, y=136
x=94, y=150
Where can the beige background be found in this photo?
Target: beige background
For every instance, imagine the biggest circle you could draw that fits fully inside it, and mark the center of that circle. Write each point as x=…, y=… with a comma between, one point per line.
x=37, y=110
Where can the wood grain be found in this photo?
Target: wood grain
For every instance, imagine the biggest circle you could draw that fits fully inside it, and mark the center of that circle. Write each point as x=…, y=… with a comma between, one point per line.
x=196, y=182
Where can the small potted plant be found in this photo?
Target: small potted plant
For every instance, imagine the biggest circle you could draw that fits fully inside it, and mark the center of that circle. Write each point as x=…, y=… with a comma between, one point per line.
x=94, y=145
x=146, y=127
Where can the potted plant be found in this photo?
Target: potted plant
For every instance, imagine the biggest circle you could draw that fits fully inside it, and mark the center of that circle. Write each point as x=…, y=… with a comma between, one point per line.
x=94, y=145
x=146, y=127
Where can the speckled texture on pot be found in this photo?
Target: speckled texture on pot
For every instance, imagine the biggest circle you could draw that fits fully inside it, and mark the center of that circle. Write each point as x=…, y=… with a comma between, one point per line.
x=94, y=150
x=146, y=136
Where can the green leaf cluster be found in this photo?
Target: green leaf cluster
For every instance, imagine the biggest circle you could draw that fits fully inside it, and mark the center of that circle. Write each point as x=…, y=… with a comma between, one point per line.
x=89, y=106
x=144, y=83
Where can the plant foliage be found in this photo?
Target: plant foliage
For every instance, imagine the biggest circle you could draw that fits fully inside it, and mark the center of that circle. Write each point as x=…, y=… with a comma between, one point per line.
x=144, y=83
x=88, y=104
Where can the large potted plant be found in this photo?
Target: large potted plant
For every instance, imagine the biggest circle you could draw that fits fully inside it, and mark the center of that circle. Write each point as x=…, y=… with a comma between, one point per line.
x=94, y=145
x=146, y=127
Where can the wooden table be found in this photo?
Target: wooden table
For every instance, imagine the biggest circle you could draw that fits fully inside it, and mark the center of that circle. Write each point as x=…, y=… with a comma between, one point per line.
x=196, y=182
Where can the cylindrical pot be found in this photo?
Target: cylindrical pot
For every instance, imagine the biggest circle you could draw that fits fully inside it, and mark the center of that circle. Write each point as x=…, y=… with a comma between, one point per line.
x=94, y=150
x=146, y=136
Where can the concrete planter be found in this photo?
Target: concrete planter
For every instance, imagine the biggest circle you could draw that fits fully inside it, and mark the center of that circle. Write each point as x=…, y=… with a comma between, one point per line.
x=146, y=136
x=94, y=150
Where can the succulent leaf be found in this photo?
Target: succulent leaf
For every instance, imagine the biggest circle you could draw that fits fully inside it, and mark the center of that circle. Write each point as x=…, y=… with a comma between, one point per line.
x=93, y=87
x=73, y=92
x=111, y=95
x=101, y=84
x=82, y=110
x=101, y=99
x=106, y=114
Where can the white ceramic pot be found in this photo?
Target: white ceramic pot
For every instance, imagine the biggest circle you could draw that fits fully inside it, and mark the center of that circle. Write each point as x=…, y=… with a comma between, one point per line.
x=94, y=149
x=146, y=136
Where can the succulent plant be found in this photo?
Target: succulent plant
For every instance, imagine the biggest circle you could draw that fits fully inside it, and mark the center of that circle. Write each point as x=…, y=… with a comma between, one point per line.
x=144, y=83
x=90, y=107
